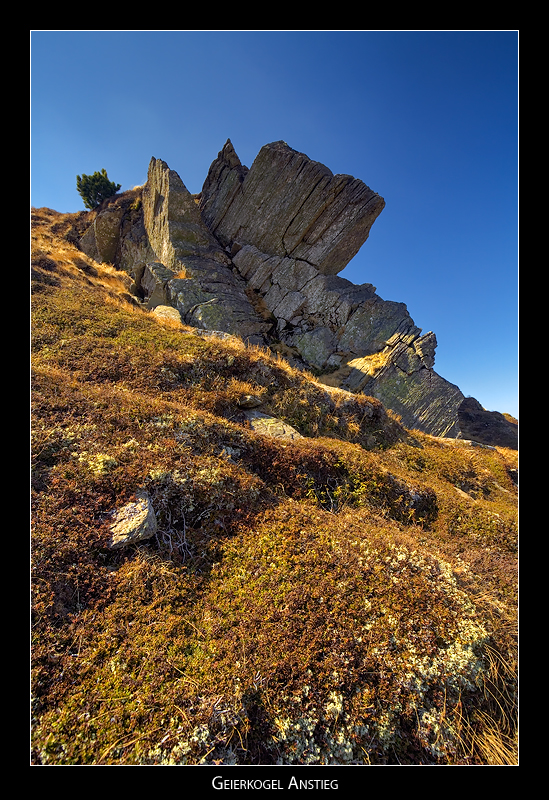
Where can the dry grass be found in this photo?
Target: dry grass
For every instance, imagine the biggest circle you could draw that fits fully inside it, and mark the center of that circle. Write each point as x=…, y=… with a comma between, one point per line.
x=346, y=598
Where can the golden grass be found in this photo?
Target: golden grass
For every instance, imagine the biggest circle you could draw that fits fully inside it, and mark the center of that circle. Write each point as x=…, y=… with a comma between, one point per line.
x=332, y=600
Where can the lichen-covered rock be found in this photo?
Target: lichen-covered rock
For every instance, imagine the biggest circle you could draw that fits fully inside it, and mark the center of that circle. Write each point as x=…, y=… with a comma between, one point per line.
x=268, y=425
x=316, y=346
x=167, y=312
x=423, y=399
x=101, y=239
x=217, y=300
x=134, y=522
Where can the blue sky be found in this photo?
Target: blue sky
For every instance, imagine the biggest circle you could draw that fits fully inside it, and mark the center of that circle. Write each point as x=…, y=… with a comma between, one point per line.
x=428, y=119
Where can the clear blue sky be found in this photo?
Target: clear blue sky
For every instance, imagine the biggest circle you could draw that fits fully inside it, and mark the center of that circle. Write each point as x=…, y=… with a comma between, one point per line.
x=428, y=119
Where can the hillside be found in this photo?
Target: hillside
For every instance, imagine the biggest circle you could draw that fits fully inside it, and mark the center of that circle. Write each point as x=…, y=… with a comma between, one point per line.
x=322, y=586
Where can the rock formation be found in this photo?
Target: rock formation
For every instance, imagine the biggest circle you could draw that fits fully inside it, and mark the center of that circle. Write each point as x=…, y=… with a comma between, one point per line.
x=288, y=206
x=489, y=427
x=257, y=254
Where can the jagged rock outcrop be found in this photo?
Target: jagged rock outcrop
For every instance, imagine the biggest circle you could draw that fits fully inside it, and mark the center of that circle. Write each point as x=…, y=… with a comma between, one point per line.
x=190, y=270
x=288, y=206
x=487, y=427
x=257, y=254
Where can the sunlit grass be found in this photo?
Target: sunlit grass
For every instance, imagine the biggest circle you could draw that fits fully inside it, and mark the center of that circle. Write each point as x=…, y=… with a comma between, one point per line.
x=348, y=597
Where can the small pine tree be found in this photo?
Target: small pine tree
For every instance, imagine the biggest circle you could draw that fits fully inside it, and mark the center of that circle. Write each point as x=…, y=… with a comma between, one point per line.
x=93, y=189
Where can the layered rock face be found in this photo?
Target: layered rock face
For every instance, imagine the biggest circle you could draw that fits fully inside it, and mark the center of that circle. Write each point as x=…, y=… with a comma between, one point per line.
x=187, y=268
x=257, y=254
x=288, y=206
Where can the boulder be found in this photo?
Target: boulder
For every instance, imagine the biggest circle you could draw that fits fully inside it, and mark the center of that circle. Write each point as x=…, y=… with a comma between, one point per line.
x=267, y=425
x=166, y=312
x=101, y=239
x=288, y=205
x=249, y=401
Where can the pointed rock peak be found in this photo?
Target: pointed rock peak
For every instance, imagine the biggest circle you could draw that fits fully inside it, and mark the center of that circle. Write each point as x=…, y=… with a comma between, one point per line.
x=164, y=178
x=224, y=178
x=228, y=155
x=157, y=163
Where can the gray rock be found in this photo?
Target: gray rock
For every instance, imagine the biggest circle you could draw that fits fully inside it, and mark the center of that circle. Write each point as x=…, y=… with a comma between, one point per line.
x=288, y=205
x=101, y=239
x=135, y=522
x=423, y=399
x=206, y=334
x=222, y=183
x=249, y=401
x=486, y=427
x=316, y=346
x=406, y=359
x=268, y=425
x=172, y=219
x=153, y=284
x=425, y=348
x=209, y=295
x=297, y=293
x=216, y=301
x=187, y=295
x=167, y=312
x=372, y=324
x=332, y=299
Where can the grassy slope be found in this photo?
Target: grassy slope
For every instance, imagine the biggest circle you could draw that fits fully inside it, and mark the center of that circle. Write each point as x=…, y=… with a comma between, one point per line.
x=348, y=597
